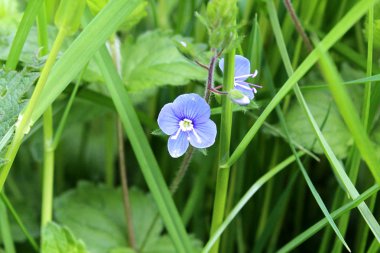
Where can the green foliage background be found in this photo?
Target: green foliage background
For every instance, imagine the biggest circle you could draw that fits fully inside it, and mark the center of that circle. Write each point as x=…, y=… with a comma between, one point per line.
x=128, y=67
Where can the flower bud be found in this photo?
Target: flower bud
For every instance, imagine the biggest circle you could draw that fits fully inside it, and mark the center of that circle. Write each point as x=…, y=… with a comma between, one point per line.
x=221, y=18
x=238, y=97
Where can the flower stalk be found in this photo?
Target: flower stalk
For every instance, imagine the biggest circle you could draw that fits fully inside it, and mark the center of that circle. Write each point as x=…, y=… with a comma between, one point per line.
x=223, y=173
x=48, y=162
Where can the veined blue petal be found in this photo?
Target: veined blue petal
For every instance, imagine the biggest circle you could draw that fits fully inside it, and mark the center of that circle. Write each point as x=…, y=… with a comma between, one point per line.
x=242, y=67
x=203, y=135
x=191, y=106
x=178, y=144
x=245, y=89
x=167, y=120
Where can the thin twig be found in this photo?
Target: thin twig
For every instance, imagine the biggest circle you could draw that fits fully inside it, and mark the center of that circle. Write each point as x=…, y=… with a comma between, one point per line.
x=124, y=183
x=298, y=25
x=201, y=65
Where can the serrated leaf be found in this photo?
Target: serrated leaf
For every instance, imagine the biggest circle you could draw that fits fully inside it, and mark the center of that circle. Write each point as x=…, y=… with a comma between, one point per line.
x=154, y=60
x=334, y=128
x=95, y=214
x=13, y=86
x=57, y=239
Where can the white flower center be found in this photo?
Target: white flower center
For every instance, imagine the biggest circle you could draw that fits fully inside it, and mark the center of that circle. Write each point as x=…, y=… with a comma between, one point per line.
x=186, y=125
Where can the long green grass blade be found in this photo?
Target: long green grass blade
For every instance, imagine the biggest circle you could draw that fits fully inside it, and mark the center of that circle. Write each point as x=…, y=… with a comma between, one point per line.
x=322, y=223
x=352, y=16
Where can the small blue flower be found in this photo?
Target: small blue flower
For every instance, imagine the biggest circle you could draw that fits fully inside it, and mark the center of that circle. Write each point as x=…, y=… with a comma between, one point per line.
x=242, y=73
x=186, y=120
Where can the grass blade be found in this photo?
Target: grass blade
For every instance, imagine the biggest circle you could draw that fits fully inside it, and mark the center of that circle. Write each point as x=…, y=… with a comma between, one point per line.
x=143, y=152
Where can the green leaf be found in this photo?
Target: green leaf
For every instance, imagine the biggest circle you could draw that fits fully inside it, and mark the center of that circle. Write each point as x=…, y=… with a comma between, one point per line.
x=334, y=129
x=96, y=215
x=57, y=239
x=13, y=86
x=154, y=60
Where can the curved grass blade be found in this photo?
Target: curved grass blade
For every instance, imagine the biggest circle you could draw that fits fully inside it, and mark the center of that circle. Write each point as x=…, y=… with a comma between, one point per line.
x=323, y=222
x=246, y=197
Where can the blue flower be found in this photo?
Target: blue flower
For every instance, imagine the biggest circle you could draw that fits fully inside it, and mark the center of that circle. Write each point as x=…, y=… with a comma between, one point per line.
x=246, y=91
x=186, y=120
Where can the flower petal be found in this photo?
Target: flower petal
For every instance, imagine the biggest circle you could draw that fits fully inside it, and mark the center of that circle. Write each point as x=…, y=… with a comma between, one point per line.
x=245, y=89
x=241, y=101
x=191, y=106
x=167, y=120
x=203, y=135
x=178, y=146
x=242, y=67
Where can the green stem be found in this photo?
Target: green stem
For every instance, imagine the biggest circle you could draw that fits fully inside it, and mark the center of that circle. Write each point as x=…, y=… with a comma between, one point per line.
x=48, y=163
x=6, y=230
x=223, y=173
x=48, y=169
x=62, y=123
x=19, y=222
x=25, y=118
